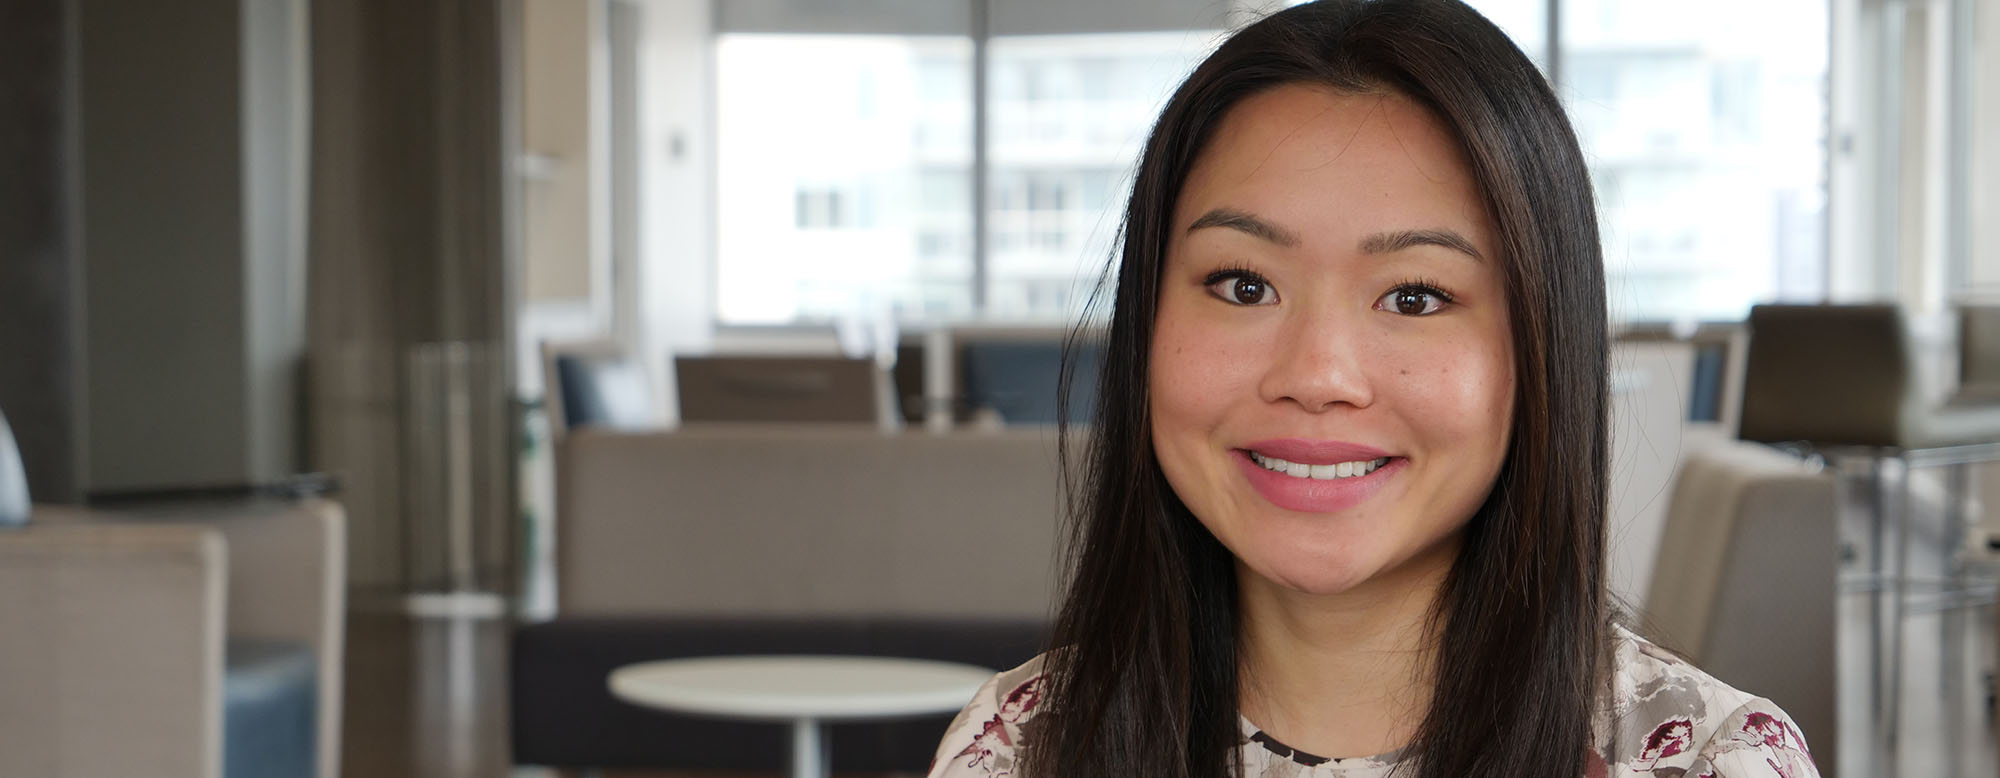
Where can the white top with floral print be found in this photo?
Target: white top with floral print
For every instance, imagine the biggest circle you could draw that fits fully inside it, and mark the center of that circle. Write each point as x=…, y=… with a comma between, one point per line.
x=1668, y=719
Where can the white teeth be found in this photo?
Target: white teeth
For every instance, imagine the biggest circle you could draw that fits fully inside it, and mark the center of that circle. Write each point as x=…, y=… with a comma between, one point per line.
x=1319, y=472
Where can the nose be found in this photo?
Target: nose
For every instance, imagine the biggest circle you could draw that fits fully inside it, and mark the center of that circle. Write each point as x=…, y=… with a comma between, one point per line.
x=1317, y=363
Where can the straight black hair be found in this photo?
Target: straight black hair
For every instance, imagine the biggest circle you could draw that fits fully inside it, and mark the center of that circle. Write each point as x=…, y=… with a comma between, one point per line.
x=1142, y=670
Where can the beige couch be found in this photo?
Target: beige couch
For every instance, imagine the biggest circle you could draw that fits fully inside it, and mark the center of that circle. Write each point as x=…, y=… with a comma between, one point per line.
x=747, y=520
x=112, y=628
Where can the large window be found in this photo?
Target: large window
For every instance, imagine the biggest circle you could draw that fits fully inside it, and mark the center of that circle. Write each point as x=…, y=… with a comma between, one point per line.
x=847, y=163
x=843, y=163
x=1707, y=144
x=846, y=170
x=1067, y=116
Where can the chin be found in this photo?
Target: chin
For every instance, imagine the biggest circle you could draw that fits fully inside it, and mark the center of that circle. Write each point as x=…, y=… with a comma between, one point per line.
x=1317, y=574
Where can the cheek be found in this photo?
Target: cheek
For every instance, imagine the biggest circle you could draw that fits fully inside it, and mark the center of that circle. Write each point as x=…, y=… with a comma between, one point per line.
x=1178, y=381
x=1196, y=375
x=1461, y=392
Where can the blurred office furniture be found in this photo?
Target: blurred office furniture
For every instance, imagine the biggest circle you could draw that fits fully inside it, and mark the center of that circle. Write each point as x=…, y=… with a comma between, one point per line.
x=563, y=715
x=781, y=539
x=1866, y=388
x=782, y=389
x=13, y=480
x=458, y=505
x=1019, y=380
x=423, y=438
x=805, y=693
x=1851, y=375
x=1659, y=378
x=186, y=642
x=598, y=384
x=1979, y=352
x=1005, y=375
x=1751, y=550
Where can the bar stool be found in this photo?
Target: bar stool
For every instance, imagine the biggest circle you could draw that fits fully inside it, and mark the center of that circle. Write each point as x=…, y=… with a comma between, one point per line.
x=1852, y=384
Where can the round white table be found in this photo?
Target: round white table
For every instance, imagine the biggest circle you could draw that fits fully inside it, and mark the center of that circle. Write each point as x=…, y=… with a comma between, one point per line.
x=807, y=691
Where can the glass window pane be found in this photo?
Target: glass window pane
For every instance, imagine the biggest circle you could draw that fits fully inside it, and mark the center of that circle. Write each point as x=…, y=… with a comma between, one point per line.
x=1525, y=21
x=1067, y=116
x=842, y=177
x=1707, y=145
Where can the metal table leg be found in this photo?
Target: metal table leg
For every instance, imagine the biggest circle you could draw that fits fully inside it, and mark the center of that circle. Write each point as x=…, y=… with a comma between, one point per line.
x=809, y=757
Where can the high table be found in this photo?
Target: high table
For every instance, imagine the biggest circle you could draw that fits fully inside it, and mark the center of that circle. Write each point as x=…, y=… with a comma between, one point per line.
x=806, y=691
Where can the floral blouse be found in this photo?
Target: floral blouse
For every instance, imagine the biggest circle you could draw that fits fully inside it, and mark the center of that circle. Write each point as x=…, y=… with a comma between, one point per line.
x=1667, y=720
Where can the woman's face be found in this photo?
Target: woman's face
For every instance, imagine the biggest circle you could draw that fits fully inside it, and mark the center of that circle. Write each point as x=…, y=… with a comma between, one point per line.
x=1332, y=375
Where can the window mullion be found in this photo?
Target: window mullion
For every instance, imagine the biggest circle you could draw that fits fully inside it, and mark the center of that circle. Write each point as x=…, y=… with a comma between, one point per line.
x=980, y=157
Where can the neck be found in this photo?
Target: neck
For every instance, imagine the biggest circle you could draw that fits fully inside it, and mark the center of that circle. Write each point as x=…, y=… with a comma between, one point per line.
x=1340, y=675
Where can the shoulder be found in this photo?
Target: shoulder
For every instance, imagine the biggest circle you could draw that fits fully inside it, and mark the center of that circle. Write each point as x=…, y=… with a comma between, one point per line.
x=983, y=740
x=1667, y=717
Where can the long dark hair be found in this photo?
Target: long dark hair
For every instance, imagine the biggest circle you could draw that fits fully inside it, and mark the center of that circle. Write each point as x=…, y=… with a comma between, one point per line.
x=1142, y=671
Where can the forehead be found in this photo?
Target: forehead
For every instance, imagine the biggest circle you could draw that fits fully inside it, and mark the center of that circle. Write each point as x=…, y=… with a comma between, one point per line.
x=1316, y=159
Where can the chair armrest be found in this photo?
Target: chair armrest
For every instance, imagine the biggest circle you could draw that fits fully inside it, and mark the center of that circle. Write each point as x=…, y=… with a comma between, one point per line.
x=113, y=639
x=288, y=581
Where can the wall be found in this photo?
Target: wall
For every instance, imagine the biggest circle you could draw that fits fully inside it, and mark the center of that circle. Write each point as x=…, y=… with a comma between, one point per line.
x=188, y=144
x=676, y=151
x=562, y=119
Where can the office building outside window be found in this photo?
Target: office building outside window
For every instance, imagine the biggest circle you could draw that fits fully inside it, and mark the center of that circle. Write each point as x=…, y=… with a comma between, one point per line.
x=1707, y=144
x=845, y=162
x=842, y=164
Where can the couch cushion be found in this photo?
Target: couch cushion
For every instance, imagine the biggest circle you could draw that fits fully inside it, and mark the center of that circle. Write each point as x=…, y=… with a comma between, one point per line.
x=563, y=715
x=269, y=699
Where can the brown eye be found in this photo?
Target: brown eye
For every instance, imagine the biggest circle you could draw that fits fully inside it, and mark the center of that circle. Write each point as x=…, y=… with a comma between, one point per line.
x=1412, y=300
x=1242, y=288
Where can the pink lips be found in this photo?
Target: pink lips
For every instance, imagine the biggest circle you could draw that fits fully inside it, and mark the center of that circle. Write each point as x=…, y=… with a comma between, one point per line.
x=1315, y=452
x=1308, y=495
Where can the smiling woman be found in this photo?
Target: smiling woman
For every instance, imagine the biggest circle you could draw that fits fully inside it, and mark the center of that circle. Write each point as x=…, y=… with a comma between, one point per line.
x=1341, y=359
x=1344, y=510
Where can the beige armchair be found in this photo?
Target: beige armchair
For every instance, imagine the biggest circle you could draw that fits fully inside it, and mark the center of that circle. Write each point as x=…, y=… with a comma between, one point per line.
x=1750, y=555
x=115, y=629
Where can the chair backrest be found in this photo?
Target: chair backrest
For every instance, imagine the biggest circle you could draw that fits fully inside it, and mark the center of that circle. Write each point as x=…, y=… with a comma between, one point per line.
x=13, y=480
x=1020, y=380
x=598, y=383
x=769, y=520
x=1979, y=346
x=604, y=392
x=1830, y=374
x=780, y=389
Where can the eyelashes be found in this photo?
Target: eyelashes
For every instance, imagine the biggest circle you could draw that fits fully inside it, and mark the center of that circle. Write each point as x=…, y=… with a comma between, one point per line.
x=1425, y=286
x=1232, y=271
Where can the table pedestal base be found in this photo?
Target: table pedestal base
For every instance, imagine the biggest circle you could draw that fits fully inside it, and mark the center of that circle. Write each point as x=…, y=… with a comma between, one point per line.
x=809, y=757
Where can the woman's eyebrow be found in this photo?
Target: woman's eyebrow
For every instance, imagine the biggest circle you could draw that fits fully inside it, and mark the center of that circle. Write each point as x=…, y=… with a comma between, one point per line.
x=1247, y=224
x=1389, y=242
